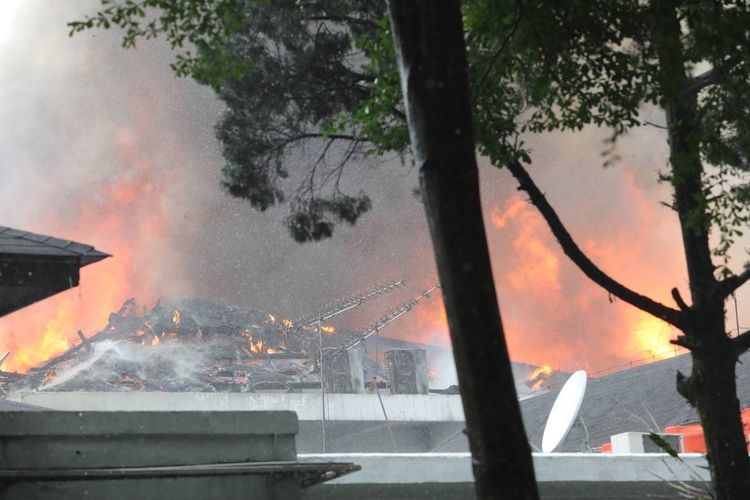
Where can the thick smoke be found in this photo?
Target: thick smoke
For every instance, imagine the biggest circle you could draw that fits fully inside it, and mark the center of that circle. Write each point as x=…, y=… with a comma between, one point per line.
x=106, y=146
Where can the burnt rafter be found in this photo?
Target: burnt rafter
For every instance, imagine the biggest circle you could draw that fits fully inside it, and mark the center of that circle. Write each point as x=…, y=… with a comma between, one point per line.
x=389, y=317
x=592, y=271
x=329, y=311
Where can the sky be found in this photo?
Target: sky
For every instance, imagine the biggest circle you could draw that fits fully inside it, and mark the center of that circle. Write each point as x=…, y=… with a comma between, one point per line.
x=106, y=146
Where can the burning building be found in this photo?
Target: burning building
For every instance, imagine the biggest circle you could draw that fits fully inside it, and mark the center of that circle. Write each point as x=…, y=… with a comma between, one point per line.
x=197, y=355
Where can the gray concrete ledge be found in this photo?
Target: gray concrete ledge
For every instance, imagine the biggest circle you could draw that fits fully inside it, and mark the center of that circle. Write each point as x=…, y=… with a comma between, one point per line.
x=569, y=476
x=550, y=467
x=138, y=423
x=308, y=406
x=57, y=439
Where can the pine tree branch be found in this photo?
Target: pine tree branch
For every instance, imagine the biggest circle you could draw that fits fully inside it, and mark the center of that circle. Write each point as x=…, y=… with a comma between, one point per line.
x=573, y=251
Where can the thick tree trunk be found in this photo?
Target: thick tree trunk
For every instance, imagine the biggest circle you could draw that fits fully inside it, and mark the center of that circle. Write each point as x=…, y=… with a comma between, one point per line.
x=711, y=387
x=714, y=394
x=432, y=58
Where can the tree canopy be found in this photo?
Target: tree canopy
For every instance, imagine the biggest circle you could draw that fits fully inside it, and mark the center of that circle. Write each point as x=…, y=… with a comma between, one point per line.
x=293, y=76
x=321, y=77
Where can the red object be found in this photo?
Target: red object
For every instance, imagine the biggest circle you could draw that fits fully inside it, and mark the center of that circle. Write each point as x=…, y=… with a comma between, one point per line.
x=607, y=448
x=693, y=433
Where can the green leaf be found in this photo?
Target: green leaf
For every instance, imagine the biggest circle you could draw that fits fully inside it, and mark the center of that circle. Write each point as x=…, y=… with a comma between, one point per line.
x=662, y=444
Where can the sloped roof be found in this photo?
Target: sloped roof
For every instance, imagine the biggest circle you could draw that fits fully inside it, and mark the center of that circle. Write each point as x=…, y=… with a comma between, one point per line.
x=640, y=399
x=34, y=267
x=24, y=243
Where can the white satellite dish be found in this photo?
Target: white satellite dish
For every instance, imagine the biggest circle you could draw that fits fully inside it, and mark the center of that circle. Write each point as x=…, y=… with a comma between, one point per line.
x=564, y=412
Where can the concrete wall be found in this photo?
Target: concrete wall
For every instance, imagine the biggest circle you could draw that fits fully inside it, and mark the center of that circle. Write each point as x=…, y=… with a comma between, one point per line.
x=379, y=436
x=560, y=475
x=54, y=455
x=354, y=422
x=308, y=406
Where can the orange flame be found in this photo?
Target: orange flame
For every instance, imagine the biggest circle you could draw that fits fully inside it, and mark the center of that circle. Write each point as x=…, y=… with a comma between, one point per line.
x=539, y=376
x=256, y=347
x=538, y=267
x=176, y=318
x=155, y=340
x=124, y=217
x=552, y=314
x=650, y=335
x=542, y=370
x=328, y=329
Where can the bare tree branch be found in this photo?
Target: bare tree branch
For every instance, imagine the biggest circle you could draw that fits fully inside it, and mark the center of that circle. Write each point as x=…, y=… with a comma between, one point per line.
x=699, y=83
x=728, y=285
x=741, y=342
x=652, y=124
x=571, y=249
x=501, y=49
x=683, y=341
x=340, y=19
x=679, y=301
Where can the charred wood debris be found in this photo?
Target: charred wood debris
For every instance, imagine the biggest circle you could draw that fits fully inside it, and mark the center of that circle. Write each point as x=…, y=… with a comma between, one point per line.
x=200, y=346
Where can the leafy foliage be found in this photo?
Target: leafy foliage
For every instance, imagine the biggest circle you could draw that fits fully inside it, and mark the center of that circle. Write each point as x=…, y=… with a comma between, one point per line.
x=662, y=444
x=202, y=24
x=299, y=76
x=539, y=67
x=282, y=115
x=293, y=77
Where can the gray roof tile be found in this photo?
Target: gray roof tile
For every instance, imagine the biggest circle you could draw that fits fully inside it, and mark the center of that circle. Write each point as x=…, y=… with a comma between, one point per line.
x=13, y=241
x=640, y=399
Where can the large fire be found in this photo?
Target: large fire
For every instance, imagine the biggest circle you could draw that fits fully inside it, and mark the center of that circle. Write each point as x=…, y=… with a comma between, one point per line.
x=124, y=217
x=553, y=316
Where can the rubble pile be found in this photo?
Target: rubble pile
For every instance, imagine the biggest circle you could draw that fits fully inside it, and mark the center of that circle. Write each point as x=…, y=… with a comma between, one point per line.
x=194, y=346
x=199, y=346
